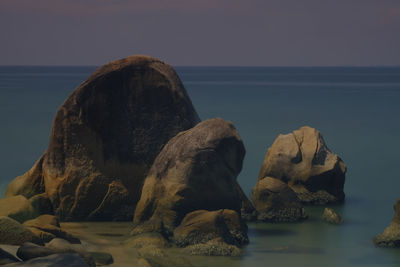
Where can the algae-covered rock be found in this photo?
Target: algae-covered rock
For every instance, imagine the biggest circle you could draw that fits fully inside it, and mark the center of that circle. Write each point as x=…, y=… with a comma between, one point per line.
x=275, y=201
x=14, y=233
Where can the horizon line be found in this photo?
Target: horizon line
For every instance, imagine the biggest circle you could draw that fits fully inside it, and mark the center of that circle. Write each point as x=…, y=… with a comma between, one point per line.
x=220, y=66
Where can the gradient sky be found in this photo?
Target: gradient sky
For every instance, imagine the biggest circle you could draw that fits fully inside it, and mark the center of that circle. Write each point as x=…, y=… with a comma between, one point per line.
x=202, y=32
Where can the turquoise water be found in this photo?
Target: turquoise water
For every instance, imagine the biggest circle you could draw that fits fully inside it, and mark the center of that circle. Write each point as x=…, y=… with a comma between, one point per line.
x=356, y=109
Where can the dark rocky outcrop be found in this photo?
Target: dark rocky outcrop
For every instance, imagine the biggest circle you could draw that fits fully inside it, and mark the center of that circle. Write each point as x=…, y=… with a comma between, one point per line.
x=303, y=161
x=391, y=235
x=104, y=139
x=14, y=233
x=275, y=201
x=331, y=216
x=196, y=170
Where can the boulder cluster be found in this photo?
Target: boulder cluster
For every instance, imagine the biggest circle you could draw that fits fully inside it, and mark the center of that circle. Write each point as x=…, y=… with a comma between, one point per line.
x=128, y=144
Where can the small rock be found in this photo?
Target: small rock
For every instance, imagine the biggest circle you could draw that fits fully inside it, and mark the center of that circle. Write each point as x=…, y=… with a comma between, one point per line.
x=102, y=258
x=331, y=216
x=47, y=227
x=14, y=233
x=6, y=258
x=30, y=251
x=55, y=260
x=143, y=263
x=391, y=235
x=63, y=246
x=213, y=248
x=275, y=201
x=202, y=226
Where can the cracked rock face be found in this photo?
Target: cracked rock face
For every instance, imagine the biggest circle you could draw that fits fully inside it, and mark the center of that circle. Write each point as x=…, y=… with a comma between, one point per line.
x=196, y=170
x=303, y=161
x=105, y=138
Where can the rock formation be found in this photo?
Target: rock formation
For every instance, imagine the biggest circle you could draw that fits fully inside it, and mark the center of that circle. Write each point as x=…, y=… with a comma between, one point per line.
x=17, y=208
x=391, y=235
x=104, y=139
x=196, y=170
x=275, y=201
x=303, y=161
x=14, y=233
x=331, y=216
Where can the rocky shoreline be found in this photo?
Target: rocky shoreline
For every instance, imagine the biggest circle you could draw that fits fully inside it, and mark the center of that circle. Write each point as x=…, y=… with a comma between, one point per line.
x=128, y=145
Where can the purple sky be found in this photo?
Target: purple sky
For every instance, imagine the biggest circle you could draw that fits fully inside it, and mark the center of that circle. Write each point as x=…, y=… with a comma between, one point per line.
x=201, y=32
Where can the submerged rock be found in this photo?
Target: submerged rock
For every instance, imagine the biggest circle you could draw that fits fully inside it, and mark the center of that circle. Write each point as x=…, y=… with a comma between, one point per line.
x=303, y=161
x=391, y=235
x=17, y=208
x=331, y=216
x=105, y=137
x=14, y=233
x=147, y=239
x=275, y=201
x=196, y=170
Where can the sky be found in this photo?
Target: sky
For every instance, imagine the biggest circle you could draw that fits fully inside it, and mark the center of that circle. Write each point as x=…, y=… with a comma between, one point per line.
x=201, y=32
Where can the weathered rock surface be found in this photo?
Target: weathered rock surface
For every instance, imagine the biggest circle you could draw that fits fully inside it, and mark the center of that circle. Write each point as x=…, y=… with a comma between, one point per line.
x=6, y=258
x=391, y=235
x=105, y=137
x=303, y=161
x=196, y=170
x=202, y=226
x=14, y=233
x=275, y=201
x=17, y=208
x=331, y=216
x=64, y=259
x=147, y=239
x=213, y=248
x=63, y=246
x=47, y=227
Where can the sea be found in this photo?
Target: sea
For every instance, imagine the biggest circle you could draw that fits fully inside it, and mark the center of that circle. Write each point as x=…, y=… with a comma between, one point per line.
x=357, y=110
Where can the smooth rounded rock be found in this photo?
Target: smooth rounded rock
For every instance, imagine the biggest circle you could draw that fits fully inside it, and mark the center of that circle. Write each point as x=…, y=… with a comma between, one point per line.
x=196, y=170
x=14, y=233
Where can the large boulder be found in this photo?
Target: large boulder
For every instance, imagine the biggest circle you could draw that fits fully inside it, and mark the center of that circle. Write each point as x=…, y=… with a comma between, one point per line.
x=303, y=161
x=275, y=201
x=105, y=138
x=196, y=170
x=391, y=235
x=17, y=207
x=14, y=233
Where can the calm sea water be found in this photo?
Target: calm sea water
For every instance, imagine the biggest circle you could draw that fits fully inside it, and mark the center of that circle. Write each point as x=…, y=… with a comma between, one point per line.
x=356, y=109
